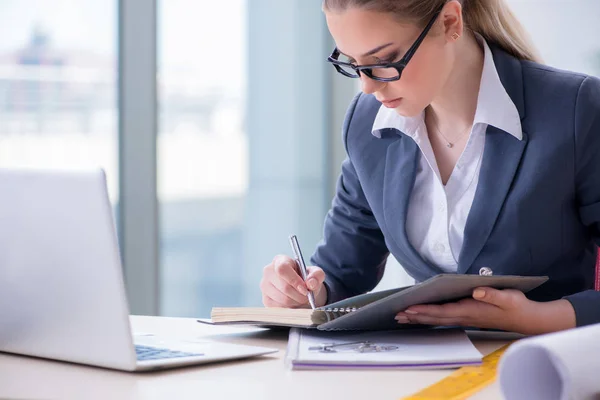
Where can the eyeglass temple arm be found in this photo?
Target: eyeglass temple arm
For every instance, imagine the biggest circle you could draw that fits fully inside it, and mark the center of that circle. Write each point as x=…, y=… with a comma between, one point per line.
x=421, y=37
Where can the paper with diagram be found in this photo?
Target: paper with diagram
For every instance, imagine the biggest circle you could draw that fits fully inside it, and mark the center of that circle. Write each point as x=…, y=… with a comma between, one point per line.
x=427, y=348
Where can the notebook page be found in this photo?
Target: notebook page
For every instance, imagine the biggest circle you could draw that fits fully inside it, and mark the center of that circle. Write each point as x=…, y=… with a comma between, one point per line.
x=443, y=348
x=557, y=366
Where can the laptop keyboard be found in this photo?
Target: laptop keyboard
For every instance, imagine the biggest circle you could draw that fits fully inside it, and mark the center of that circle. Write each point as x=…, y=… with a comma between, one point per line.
x=145, y=353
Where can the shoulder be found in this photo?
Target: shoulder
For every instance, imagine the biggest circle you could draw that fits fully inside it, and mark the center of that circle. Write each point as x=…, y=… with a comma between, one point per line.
x=566, y=99
x=362, y=111
x=534, y=70
x=558, y=97
x=359, y=120
x=546, y=79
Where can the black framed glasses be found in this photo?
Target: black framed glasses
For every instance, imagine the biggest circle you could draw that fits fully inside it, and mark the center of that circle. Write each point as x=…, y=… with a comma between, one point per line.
x=387, y=72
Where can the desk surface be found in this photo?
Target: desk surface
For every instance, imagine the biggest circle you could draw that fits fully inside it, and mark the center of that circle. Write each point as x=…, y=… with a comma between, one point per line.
x=258, y=378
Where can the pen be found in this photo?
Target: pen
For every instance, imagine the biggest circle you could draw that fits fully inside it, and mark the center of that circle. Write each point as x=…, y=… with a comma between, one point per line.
x=301, y=266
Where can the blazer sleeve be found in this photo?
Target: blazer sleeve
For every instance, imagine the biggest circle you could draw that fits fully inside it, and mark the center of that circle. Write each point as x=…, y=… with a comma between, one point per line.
x=587, y=179
x=352, y=251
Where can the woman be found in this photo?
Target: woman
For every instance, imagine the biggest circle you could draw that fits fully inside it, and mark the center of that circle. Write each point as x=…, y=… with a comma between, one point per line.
x=464, y=154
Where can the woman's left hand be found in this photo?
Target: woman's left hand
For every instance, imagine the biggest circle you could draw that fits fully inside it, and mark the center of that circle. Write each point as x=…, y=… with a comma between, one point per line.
x=490, y=308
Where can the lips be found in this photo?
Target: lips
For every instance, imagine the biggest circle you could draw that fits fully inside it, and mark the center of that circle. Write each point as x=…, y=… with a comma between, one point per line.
x=391, y=103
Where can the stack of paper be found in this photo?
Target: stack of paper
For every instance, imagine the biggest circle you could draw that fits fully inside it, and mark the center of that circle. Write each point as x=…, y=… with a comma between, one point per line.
x=557, y=366
x=428, y=348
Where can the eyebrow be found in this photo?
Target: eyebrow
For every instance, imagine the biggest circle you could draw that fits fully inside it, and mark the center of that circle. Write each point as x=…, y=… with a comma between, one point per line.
x=370, y=52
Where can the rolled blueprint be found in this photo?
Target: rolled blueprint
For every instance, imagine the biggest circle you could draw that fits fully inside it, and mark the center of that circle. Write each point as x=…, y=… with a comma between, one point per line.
x=556, y=366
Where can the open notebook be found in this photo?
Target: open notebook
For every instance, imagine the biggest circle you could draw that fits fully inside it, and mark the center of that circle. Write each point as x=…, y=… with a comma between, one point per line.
x=374, y=311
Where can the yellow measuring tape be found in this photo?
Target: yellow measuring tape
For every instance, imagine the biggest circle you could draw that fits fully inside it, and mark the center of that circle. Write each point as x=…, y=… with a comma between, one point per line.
x=463, y=382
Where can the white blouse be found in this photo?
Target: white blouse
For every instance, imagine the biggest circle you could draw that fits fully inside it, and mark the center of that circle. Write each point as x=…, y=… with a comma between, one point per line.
x=437, y=214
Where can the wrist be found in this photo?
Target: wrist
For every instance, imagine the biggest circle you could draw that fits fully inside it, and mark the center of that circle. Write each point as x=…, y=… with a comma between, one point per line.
x=554, y=316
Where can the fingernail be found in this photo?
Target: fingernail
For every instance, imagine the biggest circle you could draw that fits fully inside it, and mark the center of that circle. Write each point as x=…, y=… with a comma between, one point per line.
x=410, y=312
x=312, y=284
x=401, y=319
x=302, y=290
x=479, y=293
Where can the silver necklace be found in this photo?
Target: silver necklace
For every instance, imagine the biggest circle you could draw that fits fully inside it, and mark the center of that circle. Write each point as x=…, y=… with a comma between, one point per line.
x=449, y=144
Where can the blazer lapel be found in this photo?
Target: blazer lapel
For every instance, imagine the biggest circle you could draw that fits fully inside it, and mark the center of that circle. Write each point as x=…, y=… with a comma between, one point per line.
x=401, y=162
x=501, y=158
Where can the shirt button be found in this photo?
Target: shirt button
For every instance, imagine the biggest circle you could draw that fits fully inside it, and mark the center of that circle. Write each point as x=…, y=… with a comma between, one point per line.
x=438, y=247
x=442, y=207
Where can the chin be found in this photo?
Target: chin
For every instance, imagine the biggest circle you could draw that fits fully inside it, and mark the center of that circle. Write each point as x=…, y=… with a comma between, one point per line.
x=408, y=112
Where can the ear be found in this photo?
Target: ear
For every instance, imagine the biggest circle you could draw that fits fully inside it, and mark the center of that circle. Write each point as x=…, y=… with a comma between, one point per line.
x=451, y=17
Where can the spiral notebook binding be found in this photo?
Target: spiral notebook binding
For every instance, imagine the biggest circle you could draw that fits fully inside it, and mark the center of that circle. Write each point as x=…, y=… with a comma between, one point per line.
x=333, y=313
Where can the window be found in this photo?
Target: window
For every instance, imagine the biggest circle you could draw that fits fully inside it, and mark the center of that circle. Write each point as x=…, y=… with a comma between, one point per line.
x=202, y=153
x=236, y=177
x=58, y=86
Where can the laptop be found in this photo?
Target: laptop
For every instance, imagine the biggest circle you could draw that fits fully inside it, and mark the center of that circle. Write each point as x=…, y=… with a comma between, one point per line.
x=62, y=294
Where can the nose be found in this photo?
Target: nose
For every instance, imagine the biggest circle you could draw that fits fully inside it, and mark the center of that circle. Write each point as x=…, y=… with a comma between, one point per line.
x=370, y=86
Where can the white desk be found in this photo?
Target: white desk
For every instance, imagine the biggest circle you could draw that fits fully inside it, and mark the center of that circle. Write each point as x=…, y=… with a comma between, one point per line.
x=259, y=378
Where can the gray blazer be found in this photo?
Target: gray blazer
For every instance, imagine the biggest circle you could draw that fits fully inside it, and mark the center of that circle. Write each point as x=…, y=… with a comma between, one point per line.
x=536, y=209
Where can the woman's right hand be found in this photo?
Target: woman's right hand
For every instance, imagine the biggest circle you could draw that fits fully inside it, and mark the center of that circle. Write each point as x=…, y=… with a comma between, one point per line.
x=282, y=284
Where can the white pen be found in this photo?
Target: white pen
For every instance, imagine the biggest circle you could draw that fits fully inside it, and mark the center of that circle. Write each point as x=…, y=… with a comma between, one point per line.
x=302, y=267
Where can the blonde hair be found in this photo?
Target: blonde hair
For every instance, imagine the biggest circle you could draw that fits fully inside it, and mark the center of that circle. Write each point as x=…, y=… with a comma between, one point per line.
x=492, y=19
